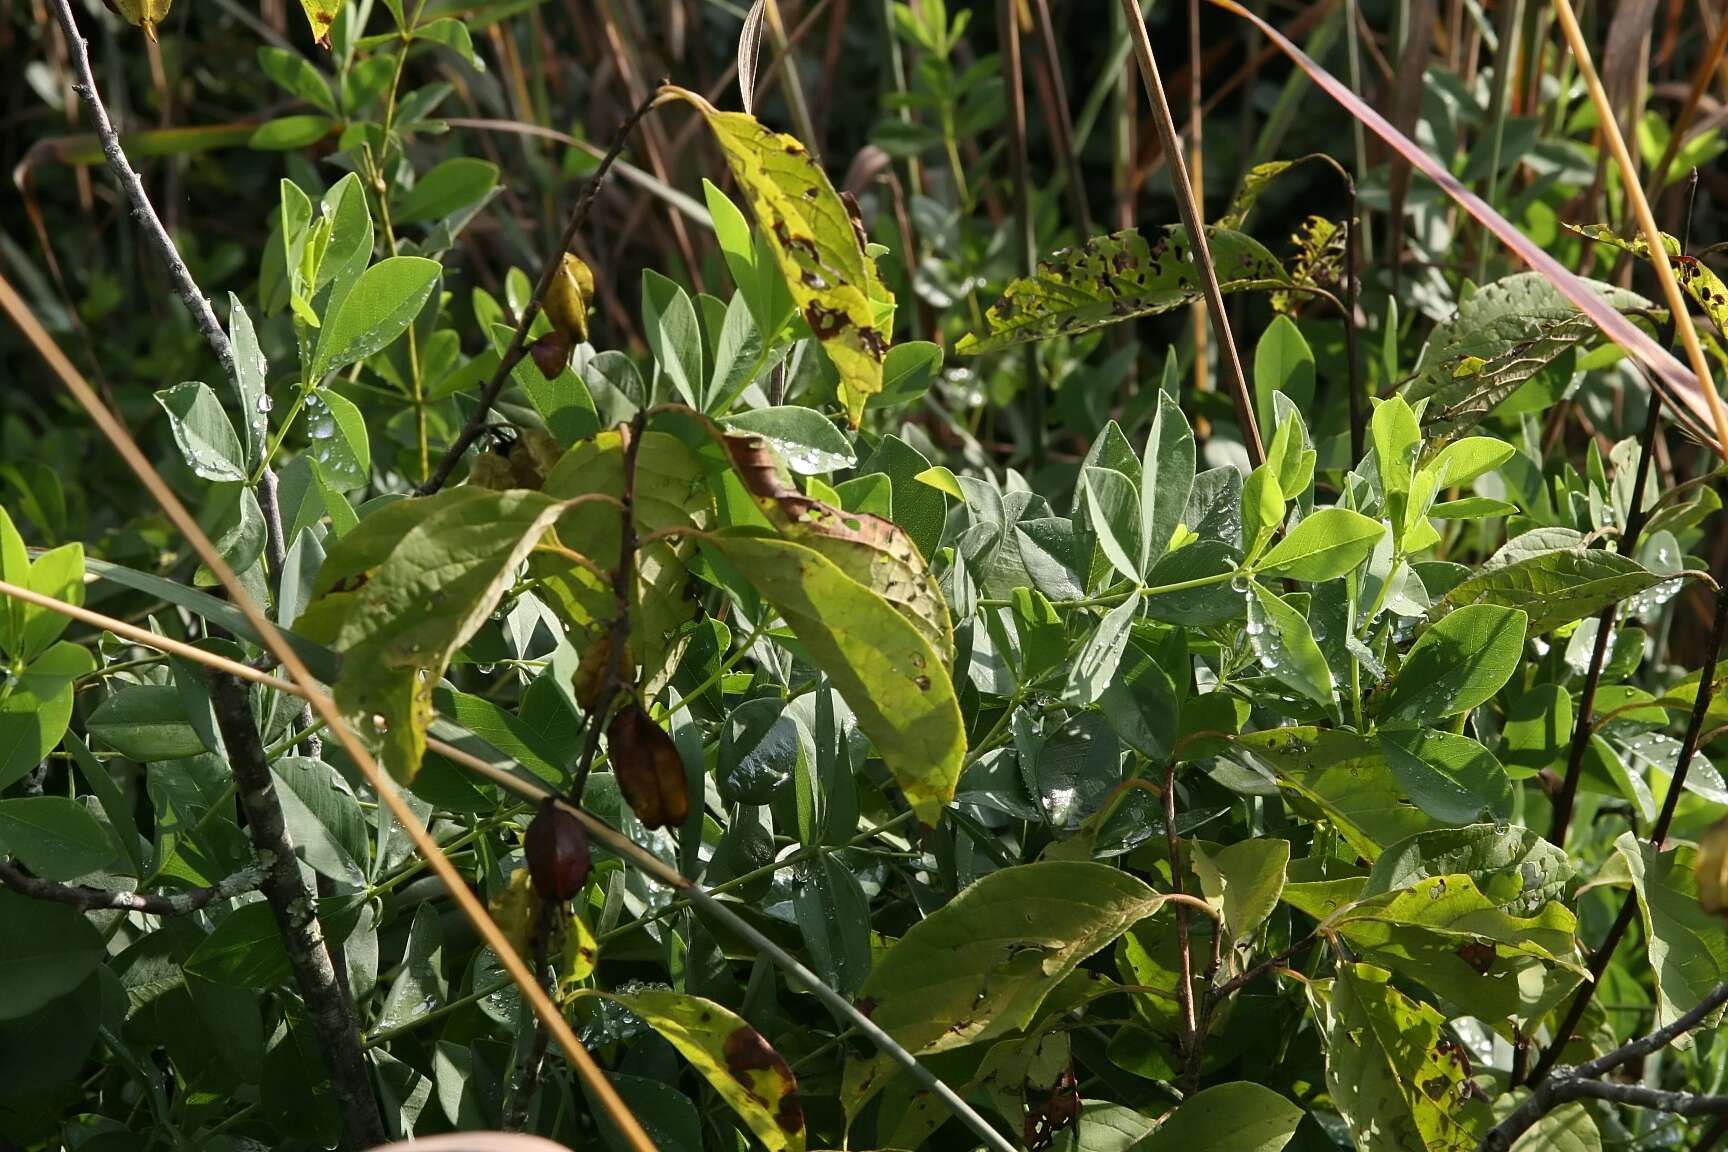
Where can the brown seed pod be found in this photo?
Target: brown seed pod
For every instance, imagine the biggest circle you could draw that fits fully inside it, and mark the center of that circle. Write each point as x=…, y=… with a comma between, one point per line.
x=1712, y=868
x=551, y=354
x=556, y=847
x=649, y=771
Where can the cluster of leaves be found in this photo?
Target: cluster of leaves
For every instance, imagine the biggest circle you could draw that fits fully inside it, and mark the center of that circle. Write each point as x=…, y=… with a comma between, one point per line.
x=1148, y=800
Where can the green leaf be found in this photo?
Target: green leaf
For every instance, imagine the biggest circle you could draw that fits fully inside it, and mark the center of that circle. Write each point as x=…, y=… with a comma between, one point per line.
x=451, y=186
x=1346, y=777
x=1262, y=511
x=245, y=951
x=1326, y=544
x=818, y=247
x=880, y=662
x=741, y=1066
x=146, y=723
x=907, y=373
x=1464, y=460
x=1450, y=777
x=250, y=372
x=1236, y=1117
x=1094, y=667
x=201, y=428
x=674, y=336
x=287, y=133
x=323, y=817
x=1568, y=1128
x=1109, y=279
x=294, y=74
x=1555, y=587
x=1166, y=480
x=1687, y=948
x=419, y=986
x=1396, y=439
x=1281, y=638
x=1113, y=512
x=979, y=966
x=1282, y=363
x=833, y=913
x=35, y=714
x=751, y=262
x=58, y=574
x=1461, y=661
x=407, y=587
x=1141, y=703
x=1243, y=881
x=46, y=951
x=383, y=302
x=803, y=437
x=56, y=838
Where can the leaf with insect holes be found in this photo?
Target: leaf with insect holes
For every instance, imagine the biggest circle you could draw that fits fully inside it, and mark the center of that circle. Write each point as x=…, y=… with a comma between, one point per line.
x=816, y=241
x=1108, y=279
x=1697, y=278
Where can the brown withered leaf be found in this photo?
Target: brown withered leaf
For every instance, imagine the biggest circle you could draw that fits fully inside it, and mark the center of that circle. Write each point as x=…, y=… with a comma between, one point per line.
x=649, y=771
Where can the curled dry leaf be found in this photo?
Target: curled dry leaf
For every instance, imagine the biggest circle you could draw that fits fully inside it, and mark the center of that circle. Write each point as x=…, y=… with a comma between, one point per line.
x=648, y=769
x=568, y=297
x=556, y=847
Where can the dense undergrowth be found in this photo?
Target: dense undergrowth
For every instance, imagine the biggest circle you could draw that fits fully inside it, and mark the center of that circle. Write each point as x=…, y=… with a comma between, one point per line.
x=962, y=591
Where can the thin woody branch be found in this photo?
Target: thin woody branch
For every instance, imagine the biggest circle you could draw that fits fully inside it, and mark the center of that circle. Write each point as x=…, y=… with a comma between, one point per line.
x=104, y=900
x=328, y=1003
x=1585, y=1082
x=518, y=346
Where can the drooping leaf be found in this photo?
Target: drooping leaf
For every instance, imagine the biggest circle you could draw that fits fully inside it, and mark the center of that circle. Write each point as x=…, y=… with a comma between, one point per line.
x=1281, y=637
x=1687, y=947
x=206, y=437
x=816, y=242
x=1243, y=880
x=980, y=966
x=1108, y=279
x=880, y=662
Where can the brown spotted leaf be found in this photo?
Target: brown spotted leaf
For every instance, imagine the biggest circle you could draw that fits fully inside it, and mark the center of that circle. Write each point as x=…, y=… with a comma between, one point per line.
x=1117, y=277
x=816, y=242
x=321, y=14
x=735, y=1059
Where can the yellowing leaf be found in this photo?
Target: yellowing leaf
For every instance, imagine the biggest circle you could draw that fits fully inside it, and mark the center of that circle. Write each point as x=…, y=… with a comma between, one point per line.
x=741, y=1066
x=880, y=662
x=817, y=243
x=321, y=14
x=145, y=14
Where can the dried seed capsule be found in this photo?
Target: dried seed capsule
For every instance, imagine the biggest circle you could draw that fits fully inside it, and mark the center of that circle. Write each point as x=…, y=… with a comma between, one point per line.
x=649, y=771
x=556, y=847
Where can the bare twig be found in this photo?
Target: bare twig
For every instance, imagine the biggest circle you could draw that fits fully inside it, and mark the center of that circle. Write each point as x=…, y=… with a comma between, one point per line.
x=1585, y=1082
x=203, y=315
x=1189, y=209
x=1184, y=953
x=328, y=1003
x=518, y=346
x=154, y=903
